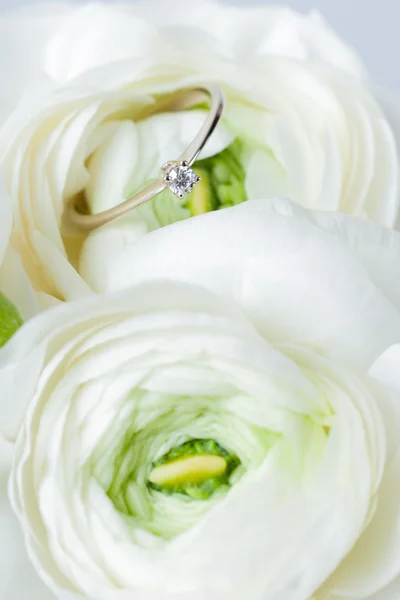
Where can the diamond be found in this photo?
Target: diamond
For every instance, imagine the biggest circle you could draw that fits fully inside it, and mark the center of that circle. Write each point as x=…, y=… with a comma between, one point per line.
x=181, y=180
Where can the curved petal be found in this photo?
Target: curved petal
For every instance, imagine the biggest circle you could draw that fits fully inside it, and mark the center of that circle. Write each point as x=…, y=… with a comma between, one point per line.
x=391, y=592
x=259, y=31
x=18, y=579
x=387, y=368
x=97, y=34
x=374, y=562
x=5, y=220
x=15, y=284
x=296, y=282
x=24, y=34
x=372, y=568
x=390, y=104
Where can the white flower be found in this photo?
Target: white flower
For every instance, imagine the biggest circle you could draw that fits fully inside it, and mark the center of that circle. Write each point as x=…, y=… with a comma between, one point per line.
x=305, y=125
x=253, y=328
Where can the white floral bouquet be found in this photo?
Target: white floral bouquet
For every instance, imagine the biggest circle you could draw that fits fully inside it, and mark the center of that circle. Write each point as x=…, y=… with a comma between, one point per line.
x=200, y=399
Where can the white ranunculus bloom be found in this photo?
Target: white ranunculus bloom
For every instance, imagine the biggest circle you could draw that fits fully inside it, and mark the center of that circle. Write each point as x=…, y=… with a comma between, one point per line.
x=300, y=122
x=252, y=347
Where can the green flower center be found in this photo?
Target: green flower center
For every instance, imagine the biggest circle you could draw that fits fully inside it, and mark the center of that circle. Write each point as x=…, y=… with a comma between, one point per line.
x=165, y=460
x=222, y=185
x=197, y=469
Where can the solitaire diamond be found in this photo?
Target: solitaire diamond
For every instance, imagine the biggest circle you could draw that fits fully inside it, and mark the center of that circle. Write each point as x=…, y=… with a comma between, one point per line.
x=181, y=180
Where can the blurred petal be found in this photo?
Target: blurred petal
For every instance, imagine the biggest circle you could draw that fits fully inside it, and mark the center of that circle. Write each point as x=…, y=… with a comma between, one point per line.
x=14, y=282
x=110, y=168
x=372, y=568
x=5, y=220
x=63, y=277
x=94, y=35
x=24, y=35
x=391, y=592
x=387, y=368
x=267, y=30
x=18, y=580
x=390, y=104
x=374, y=562
x=103, y=247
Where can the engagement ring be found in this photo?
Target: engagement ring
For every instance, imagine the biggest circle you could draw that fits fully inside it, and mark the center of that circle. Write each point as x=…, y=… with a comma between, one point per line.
x=177, y=175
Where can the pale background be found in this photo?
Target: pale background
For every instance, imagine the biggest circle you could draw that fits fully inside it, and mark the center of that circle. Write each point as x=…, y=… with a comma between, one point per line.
x=372, y=26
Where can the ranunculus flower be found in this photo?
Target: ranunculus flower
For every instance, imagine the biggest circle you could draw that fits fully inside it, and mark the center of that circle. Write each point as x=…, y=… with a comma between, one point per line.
x=300, y=122
x=214, y=431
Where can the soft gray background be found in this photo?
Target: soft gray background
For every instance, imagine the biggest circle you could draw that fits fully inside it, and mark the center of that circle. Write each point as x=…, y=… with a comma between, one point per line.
x=372, y=26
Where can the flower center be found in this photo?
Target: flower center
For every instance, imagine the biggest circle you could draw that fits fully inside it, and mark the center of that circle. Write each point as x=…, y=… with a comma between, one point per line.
x=216, y=182
x=197, y=469
x=222, y=181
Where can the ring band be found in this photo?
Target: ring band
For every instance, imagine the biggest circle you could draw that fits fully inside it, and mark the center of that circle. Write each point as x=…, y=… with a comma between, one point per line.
x=175, y=174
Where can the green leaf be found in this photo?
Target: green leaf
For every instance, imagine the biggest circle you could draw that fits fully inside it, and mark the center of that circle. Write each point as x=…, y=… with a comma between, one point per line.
x=10, y=319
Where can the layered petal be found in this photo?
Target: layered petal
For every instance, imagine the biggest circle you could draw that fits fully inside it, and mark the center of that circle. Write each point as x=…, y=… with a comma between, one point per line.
x=211, y=374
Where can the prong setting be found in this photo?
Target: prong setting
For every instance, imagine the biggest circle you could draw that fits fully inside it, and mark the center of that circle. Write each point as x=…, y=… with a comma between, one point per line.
x=167, y=166
x=180, y=178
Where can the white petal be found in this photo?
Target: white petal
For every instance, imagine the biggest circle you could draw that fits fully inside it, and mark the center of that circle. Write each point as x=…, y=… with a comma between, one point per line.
x=103, y=247
x=376, y=248
x=66, y=282
x=265, y=177
x=96, y=35
x=387, y=368
x=24, y=34
x=371, y=155
x=297, y=283
x=390, y=105
x=264, y=31
x=111, y=167
x=14, y=282
x=391, y=592
x=18, y=579
x=374, y=561
x=5, y=220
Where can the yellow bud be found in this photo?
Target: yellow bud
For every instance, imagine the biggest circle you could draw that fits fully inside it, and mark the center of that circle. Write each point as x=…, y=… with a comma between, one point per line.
x=192, y=469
